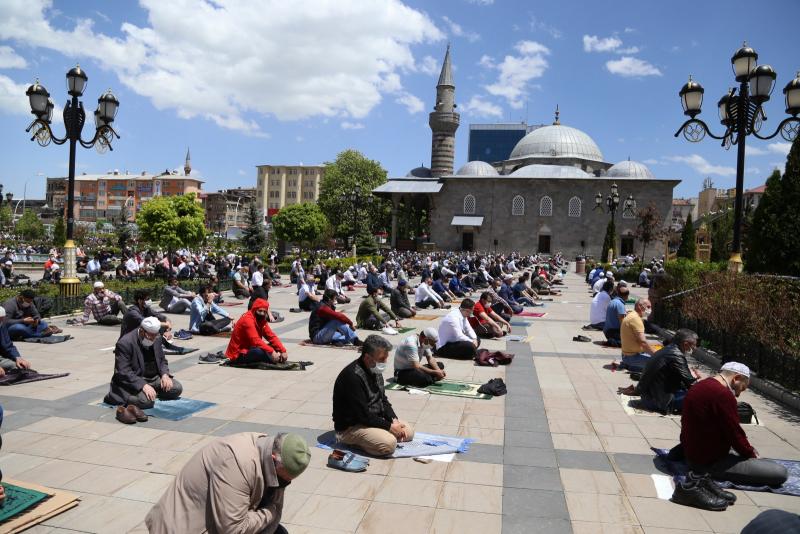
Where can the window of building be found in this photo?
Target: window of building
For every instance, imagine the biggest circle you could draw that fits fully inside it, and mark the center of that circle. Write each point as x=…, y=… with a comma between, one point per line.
x=574, y=207
x=629, y=213
x=291, y=194
x=469, y=205
x=546, y=207
x=518, y=205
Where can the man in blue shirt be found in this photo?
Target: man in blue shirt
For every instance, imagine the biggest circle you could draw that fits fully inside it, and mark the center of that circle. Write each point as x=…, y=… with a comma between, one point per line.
x=206, y=317
x=440, y=286
x=507, y=294
x=9, y=355
x=614, y=315
x=456, y=286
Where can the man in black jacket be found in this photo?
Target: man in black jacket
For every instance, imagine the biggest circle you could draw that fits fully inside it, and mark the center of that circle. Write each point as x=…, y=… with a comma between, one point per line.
x=362, y=415
x=139, y=311
x=666, y=377
x=399, y=301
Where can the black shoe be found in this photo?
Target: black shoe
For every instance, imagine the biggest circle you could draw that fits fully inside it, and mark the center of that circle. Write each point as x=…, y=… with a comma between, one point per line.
x=712, y=486
x=357, y=342
x=696, y=495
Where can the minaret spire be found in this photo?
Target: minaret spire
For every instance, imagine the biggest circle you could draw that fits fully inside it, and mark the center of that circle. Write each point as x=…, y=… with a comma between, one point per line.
x=187, y=167
x=557, y=122
x=446, y=76
x=444, y=121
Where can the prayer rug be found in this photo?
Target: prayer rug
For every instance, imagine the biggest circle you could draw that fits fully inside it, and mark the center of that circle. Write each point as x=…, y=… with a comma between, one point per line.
x=308, y=343
x=18, y=500
x=405, y=329
x=229, y=304
x=452, y=388
x=520, y=323
x=425, y=317
x=530, y=314
x=422, y=445
x=49, y=340
x=173, y=410
x=23, y=376
x=55, y=502
x=223, y=334
x=679, y=470
x=285, y=366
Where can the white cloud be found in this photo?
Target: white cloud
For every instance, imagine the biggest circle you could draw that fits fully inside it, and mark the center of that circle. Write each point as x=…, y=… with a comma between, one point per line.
x=752, y=170
x=592, y=43
x=702, y=166
x=10, y=59
x=631, y=67
x=12, y=97
x=347, y=125
x=779, y=148
x=242, y=173
x=755, y=151
x=458, y=31
x=411, y=102
x=517, y=71
x=481, y=2
x=478, y=107
x=429, y=65
x=228, y=62
x=630, y=30
x=486, y=61
x=299, y=138
x=552, y=31
x=651, y=161
x=629, y=50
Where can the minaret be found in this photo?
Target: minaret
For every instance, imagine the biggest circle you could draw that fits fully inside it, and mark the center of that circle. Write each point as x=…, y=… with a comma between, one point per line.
x=187, y=167
x=444, y=122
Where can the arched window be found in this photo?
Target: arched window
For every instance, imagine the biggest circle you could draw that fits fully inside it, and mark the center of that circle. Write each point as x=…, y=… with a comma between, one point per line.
x=518, y=205
x=574, y=207
x=469, y=205
x=546, y=207
x=629, y=213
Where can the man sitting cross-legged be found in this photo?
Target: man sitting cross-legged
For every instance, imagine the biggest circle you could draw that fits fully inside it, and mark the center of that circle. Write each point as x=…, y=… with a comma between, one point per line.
x=457, y=339
x=326, y=326
x=362, y=415
x=104, y=305
x=23, y=318
x=524, y=294
x=399, y=301
x=175, y=299
x=636, y=351
x=253, y=340
x=202, y=319
x=242, y=288
x=373, y=313
x=141, y=372
x=139, y=311
x=335, y=282
x=9, y=355
x=307, y=296
x=485, y=322
x=408, y=369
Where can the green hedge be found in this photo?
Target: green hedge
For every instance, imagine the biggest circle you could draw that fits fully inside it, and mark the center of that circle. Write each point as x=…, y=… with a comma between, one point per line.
x=683, y=274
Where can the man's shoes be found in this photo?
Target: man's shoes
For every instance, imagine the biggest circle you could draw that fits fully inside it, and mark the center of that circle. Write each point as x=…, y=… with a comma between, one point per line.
x=357, y=342
x=582, y=339
x=347, y=461
x=630, y=391
x=183, y=335
x=216, y=357
x=712, y=486
x=124, y=416
x=695, y=494
x=137, y=413
x=54, y=329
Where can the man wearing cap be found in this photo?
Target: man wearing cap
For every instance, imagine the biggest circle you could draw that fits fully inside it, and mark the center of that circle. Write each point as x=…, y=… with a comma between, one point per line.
x=104, y=305
x=9, y=355
x=408, y=369
x=234, y=484
x=141, y=371
x=644, y=278
x=399, y=303
x=710, y=428
x=599, y=307
x=598, y=285
x=23, y=318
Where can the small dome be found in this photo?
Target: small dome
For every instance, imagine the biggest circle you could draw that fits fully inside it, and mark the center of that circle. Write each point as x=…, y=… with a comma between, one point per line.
x=550, y=171
x=420, y=172
x=630, y=169
x=477, y=168
x=557, y=141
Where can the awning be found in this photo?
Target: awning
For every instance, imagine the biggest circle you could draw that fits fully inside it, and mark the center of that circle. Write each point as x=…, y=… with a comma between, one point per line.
x=462, y=220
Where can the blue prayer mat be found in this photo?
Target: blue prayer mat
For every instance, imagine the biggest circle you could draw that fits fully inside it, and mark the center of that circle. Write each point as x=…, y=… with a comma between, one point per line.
x=174, y=410
x=422, y=445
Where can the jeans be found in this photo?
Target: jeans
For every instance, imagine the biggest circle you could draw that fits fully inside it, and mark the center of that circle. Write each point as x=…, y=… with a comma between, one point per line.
x=403, y=313
x=213, y=326
x=334, y=332
x=634, y=363
x=613, y=337
x=745, y=471
x=525, y=301
x=21, y=330
x=500, y=310
x=181, y=306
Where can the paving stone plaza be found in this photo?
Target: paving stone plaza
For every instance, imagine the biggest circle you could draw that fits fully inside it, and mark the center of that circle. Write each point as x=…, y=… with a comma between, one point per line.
x=557, y=454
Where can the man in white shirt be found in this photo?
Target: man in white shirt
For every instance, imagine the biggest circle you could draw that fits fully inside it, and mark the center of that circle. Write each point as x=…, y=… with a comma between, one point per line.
x=349, y=278
x=132, y=266
x=335, y=283
x=362, y=273
x=457, y=339
x=426, y=297
x=307, y=295
x=597, y=311
x=94, y=269
x=598, y=285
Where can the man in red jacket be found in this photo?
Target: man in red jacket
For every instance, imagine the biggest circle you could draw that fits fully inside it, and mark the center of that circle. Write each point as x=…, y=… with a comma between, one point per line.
x=326, y=326
x=253, y=340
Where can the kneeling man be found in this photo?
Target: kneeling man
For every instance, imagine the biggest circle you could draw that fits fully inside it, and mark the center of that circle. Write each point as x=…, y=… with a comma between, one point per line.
x=362, y=415
x=408, y=369
x=141, y=372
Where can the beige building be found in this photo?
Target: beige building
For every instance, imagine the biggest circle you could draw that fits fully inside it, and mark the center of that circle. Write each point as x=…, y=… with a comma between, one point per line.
x=280, y=185
x=227, y=208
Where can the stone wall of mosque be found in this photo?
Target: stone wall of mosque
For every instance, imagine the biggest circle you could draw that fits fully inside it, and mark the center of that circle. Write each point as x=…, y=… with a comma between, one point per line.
x=524, y=214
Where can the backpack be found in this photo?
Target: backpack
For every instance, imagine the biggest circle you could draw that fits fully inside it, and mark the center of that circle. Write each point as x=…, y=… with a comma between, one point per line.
x=746, y=413
x=495, y=387
x=485, y=357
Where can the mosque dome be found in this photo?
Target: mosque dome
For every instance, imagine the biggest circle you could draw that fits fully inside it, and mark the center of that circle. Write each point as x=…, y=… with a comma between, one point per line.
x=420, y=172
x=477, y=168
x=557, y=141
x=630, y=169
x=550, y=171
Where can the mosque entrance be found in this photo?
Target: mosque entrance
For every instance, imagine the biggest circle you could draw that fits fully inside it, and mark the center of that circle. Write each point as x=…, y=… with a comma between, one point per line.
x=544, y=244
x=626, y=246
x=467, y=241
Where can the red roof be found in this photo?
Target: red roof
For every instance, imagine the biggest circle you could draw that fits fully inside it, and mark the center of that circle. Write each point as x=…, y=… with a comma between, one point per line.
x=759, y=189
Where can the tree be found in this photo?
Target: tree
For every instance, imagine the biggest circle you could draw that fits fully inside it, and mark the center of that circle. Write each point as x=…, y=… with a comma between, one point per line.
x=254, y=236
x=365, y=244
x=650, y=227
x=59, y=232
x=6, y=217
x=123, y=234
x=688, y=247
x=720, y=233
x=352, y=169
x=300, y=223
x=29, y=226
x=172, y=222
x=610, y=241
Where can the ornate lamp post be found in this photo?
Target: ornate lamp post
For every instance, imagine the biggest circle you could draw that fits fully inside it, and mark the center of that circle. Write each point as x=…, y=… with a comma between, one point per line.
x=74, y=119
x=612, y=202
x=741, y=114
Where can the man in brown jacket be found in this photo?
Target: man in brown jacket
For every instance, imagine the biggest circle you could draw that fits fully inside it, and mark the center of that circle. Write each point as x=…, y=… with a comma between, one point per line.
x=233, y=485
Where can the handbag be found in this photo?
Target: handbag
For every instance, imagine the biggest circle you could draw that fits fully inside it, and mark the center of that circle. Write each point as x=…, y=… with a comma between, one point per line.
x=746, y=413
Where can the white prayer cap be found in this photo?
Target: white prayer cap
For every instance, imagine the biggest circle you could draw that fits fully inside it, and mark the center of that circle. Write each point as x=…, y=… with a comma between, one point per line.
x=151, y=325
x=430, y=333
x=602, y=275
x=8, y=262
x=736, y=367
x=622, y=283
x=98, y=285
x=55, y=267
x=609, y=273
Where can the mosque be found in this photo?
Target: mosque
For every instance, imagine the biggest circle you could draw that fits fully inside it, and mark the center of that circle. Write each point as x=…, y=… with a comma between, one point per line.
x=544, y=198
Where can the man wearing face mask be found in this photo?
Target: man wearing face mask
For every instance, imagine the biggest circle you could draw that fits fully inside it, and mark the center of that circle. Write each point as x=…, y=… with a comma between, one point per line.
x=104, y=305
x=23, y=318
x=636, y=351
x=362, y=415
x=141, y=371
x=9, y=355
x=233, y=484
x=710, y=428
x=408, y=369
x=253, y=340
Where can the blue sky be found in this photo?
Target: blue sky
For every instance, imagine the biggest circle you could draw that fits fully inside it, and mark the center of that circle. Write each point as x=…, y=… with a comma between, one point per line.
x=245, y=84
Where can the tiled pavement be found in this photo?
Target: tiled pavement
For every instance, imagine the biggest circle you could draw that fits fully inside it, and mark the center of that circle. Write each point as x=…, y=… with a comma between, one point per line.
x=557, y=454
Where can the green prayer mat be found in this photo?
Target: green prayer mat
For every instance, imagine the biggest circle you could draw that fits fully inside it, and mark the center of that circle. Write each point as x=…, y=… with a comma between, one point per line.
x=405, y=329
x=18, y=500
x=631, y=301
x=453, y=388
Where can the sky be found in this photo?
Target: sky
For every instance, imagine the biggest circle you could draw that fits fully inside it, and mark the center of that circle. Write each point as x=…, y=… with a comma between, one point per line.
x=244, y=83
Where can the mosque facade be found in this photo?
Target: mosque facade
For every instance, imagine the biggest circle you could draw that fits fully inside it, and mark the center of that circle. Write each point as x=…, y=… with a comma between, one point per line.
x=541, y=199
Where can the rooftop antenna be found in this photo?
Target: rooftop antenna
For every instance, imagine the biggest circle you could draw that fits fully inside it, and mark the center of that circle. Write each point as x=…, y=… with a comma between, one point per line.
x=557, y=122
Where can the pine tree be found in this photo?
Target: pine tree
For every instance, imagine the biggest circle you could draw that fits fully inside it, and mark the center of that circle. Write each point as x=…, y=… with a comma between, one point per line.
x=688, y=247
x=59, y=232
x=765, y=229
x=254, y=237
x=789, y=221
x=609, y=242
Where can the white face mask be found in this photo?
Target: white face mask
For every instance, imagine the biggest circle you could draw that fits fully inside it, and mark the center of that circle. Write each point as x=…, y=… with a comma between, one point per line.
x=147, y=343
x=646, y=314
x=379, y=368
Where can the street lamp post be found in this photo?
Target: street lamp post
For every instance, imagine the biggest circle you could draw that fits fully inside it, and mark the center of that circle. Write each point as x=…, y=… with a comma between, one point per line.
x=741, y=114
x=358, y=203
x=74, y=118
x=612, y=203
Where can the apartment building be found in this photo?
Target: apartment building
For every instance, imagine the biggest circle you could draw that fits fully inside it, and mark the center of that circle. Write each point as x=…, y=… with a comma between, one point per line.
x=281, y=185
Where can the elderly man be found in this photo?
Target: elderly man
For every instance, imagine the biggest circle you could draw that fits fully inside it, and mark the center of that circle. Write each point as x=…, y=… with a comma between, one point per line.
x=362, y=415
x=408, y=369
x=253, y=341
x=457, y=339
x=104, y=305
x=175, y=299
x=23, y=318
x=241, y=283
x=373, y=313
x=326, y=326
x=141, y=371
x=233, y=484
x=94, y=268
x=710, y=428
x=636, y=351
x=485, y=321
x=202, y=318
x=9, y=355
